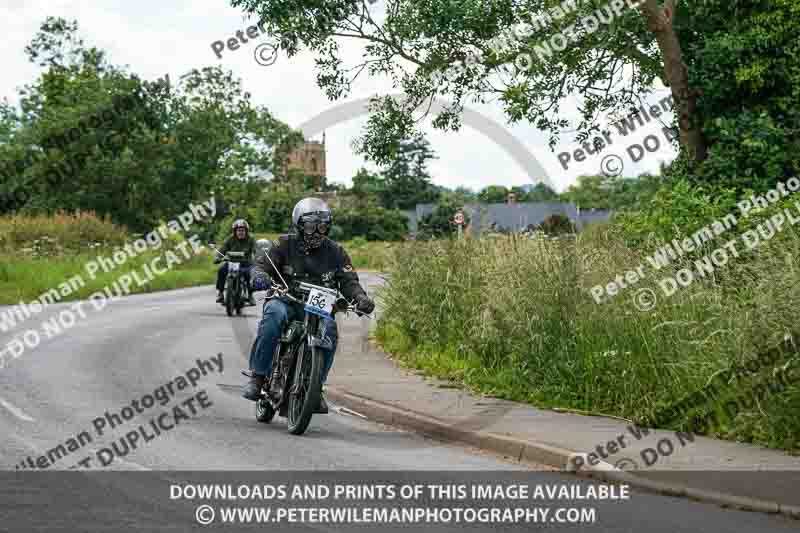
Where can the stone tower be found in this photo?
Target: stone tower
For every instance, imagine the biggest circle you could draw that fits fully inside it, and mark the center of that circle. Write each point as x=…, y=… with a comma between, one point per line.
x=308, y=158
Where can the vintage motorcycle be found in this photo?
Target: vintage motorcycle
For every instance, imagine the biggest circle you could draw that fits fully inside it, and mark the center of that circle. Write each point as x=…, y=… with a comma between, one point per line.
x=236, y=289
x=295, y=387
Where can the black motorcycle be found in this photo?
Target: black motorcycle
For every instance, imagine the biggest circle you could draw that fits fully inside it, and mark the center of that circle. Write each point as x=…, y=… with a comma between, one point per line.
x=236, y=289
x=295, y=387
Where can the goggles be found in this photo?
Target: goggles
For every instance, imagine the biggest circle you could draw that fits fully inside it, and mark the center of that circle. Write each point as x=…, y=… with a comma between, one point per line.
x=312, y=224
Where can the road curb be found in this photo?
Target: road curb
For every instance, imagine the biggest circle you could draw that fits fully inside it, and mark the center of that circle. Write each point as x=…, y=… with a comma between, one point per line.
x=540, y=453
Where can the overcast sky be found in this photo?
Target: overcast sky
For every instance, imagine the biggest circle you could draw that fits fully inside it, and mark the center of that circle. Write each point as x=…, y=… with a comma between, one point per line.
x=172, y=36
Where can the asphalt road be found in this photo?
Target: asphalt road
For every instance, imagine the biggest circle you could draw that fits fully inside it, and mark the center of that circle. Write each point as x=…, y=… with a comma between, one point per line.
x=55, y=392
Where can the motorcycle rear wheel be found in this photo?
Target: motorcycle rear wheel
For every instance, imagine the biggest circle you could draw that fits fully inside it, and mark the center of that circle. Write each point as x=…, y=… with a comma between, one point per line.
x=307, y=381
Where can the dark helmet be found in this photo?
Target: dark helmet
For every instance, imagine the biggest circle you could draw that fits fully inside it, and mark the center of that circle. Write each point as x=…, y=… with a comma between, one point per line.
x=240, y=223
x=313, y=218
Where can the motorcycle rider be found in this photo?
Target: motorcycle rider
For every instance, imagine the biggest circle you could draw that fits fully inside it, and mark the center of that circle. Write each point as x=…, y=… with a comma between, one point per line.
x=307, y=256
x=239, y=241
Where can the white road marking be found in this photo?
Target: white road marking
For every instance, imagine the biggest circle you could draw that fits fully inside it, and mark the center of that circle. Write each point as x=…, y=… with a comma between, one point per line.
x=16, y=411
x=346, y=411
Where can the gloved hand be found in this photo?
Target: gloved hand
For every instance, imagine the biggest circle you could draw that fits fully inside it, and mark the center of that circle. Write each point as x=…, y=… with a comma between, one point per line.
x=259, y=282
x=217, y=260
x=364, y=304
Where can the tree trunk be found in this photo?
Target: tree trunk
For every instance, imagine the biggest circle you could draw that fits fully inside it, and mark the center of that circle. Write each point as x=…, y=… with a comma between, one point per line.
x=659, y=21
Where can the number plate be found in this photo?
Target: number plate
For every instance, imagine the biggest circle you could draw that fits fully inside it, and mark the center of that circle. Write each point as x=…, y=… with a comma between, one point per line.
x=320, y=301
x=233, y=267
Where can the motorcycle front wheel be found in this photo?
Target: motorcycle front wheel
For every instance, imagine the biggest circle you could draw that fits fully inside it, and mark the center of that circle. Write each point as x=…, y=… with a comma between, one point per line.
x=241, y=298
x=306, y=388
x=230, y=296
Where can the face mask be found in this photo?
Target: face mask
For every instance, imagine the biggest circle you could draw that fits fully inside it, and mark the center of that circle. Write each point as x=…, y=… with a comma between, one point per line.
x=314, y=240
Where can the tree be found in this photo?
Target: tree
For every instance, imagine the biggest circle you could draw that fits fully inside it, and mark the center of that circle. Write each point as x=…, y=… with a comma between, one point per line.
x=493, y=194
x=406, y=181
x=538, y=193
x=460, y=195
x=439, y=223
x=588, y=192
x=731, y=66
x=365, y=183
x=371, y=222
x=89, y=135
x=601, y=192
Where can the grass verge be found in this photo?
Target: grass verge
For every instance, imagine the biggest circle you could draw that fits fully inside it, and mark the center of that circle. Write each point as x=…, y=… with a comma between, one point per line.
x=514, y=318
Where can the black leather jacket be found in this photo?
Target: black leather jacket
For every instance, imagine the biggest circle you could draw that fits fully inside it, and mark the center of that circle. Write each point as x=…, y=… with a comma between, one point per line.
x=328, y=266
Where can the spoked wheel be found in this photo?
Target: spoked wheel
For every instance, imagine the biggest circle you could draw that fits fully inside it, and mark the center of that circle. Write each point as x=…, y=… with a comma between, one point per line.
x=306, y=388
x=240, y=301
x=230, y=297
x=264, y=411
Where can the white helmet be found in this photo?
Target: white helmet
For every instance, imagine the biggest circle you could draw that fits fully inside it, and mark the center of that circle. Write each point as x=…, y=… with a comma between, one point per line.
x=313, y=218
x=240, y=223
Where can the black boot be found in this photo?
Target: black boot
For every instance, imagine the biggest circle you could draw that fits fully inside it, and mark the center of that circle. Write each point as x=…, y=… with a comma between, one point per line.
x=220, y=297
x=252, y=391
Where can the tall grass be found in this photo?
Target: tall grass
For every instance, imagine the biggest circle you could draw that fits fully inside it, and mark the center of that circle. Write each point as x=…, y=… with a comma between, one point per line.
x=42, y=235
x=38, y=253
x=514, y=318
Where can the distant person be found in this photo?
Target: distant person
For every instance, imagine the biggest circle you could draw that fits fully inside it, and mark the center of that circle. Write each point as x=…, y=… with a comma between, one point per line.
x=239, y=241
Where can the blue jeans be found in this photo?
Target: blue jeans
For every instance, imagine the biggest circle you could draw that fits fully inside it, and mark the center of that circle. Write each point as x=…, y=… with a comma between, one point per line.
x=276, y=314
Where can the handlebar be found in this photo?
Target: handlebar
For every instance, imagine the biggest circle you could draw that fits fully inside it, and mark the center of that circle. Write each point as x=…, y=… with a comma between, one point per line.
x=341, y=303
x=233, y=255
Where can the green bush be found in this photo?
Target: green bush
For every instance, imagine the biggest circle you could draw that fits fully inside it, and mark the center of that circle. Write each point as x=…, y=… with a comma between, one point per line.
x=677, y=208
x=439, y=223
x=557, y=224
x=371, y=223
x=58, y=233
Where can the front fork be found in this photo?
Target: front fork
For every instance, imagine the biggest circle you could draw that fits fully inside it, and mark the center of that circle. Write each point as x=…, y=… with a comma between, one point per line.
x=315, y=339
